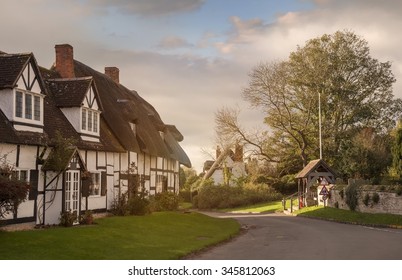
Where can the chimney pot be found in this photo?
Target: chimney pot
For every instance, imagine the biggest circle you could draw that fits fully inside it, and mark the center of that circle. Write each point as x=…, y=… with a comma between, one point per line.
x=113, y=73
x=65, y=60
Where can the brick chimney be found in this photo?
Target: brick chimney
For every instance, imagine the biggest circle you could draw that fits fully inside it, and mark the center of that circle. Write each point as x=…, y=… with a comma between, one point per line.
x=65, y=60
x=113, y=73
x=238, y=155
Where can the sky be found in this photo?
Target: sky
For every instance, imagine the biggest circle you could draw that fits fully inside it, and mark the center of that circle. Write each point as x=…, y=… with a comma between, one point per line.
x=190, y=58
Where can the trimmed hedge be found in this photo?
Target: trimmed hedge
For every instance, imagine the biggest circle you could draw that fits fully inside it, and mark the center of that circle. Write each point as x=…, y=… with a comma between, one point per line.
x=218, y=197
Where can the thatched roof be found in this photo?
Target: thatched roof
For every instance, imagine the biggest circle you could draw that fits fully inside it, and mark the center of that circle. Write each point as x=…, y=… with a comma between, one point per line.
x=120, y=107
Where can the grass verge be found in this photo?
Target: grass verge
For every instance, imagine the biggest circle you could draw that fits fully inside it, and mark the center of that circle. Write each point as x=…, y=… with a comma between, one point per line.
x=162, y=235
x=266, y=207
x=353, y=217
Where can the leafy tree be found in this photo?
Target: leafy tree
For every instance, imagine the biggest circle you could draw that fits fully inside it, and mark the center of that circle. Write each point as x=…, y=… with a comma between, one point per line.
x=366, y=155
x=355, y=91
x=396, y=170
x=12, y=190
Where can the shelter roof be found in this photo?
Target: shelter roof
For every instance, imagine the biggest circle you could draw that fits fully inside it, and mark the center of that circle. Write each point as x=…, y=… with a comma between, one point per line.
x=318, y=165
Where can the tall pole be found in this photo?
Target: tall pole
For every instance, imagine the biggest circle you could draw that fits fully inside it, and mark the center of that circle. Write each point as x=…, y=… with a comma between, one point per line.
x=319, y=122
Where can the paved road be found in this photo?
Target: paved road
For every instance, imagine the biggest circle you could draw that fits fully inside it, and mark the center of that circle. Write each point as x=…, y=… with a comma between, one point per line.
x=281, y=237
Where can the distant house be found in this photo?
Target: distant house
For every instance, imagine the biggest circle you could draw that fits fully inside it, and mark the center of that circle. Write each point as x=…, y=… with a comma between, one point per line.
x=118, y=142
x=228, y=166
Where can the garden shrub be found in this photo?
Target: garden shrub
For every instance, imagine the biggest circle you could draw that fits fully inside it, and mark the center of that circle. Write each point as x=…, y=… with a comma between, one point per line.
x=138, y=205
x=119, y=205
x=67, y=218
x=218, y=197
x=87, y=218
x=165, y=201
x=284, y=185
x=12, y=193
x=351, y=196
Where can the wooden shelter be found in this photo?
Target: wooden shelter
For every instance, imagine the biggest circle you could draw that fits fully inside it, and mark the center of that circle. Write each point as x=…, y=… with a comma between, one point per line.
x=312, y=175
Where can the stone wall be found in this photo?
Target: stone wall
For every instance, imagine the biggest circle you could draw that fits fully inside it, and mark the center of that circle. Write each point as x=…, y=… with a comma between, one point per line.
x=390, y=199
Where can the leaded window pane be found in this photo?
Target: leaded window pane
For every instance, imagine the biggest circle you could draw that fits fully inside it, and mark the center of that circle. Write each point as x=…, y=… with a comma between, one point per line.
x=18, y=104
x=28, y=106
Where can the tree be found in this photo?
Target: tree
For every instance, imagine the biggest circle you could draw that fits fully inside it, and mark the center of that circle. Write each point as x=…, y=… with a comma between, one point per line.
x=12, y=190
x=396, y=170
x=355, y=91
x=366, y=155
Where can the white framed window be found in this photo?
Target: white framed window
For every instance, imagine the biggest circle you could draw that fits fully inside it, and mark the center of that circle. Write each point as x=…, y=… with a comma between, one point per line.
x=95, y=187
x=28, y=106
x=22, y=175
x=84, y=119
x=90, y=121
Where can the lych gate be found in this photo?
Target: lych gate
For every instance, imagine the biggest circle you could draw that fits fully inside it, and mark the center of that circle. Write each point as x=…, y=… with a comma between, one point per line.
x=311, y=176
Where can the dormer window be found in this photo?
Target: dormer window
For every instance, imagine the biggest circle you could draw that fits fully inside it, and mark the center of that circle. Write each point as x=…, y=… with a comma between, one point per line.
x=28, y=107
x=22, y=92
x=90, y=121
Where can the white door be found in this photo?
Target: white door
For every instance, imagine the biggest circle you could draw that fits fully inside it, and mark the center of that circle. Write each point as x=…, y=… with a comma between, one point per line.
x=72, y=191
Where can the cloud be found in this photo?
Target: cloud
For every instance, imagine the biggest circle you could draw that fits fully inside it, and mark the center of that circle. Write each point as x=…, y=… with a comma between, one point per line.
x=188, y=87
x=173, y=42
x=148, y=8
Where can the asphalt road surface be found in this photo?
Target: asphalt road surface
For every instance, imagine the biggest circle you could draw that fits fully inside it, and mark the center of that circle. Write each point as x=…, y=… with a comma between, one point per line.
x=281, y=237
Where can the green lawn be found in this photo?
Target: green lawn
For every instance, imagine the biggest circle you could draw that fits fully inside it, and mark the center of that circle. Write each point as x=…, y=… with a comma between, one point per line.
x=163, y=235
x=326, y=213
x=266, y=207
x=341, y=215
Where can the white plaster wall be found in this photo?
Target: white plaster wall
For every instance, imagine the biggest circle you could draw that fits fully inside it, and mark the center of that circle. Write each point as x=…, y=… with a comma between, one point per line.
x=238, y=170
x=96, y=202
x=27, y=157
x=124, y=162
x=141, y=163
x=53, y=213
x=101, y=158
x=160, y=163
x=9, y=152
x=217, y=176
x=89, y=138
x=91, y=161
x=26, y=209
x=133, y=159
x=20, y=127
x=7, y=103
x=74, y=117
x=35, y=87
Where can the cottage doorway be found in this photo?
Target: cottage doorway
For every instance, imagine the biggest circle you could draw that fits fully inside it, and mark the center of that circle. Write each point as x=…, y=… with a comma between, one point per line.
x=72, y=191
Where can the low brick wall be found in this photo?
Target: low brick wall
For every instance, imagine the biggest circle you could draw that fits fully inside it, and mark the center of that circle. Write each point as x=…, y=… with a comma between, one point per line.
x=389, y=201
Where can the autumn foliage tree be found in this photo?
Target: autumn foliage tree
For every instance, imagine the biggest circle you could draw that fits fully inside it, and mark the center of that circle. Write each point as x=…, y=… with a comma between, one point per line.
x=355, y=91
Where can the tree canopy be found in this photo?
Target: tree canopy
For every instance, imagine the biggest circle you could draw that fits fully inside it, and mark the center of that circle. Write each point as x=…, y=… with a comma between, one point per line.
x=355, y=90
